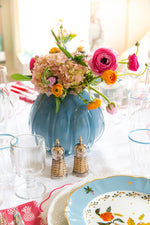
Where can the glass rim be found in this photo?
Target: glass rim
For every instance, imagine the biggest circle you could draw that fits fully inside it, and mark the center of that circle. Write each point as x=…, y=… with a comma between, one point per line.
x=23, y=135
x=134, y=140
x=3, y=68
x=131, y=96
x=8, y=135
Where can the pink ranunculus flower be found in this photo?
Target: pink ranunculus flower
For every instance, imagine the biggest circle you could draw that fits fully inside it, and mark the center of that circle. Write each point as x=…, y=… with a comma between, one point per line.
x=103, y=59
x=133, y=63
x=32, y=61
x=112, y=108
x=52, y=81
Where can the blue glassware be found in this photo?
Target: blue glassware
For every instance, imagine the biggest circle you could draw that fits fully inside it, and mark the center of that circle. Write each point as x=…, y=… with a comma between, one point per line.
x=72, y=120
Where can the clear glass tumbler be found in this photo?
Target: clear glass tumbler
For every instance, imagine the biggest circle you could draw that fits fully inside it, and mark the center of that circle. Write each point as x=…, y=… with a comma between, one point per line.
x=28, y=154
x=6, y=168
x=139, y=110
x=8, y=122
x=139, y=143
x=3, y=75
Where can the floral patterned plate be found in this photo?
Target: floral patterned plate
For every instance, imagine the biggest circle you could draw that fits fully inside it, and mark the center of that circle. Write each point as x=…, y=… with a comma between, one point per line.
x=113, y=200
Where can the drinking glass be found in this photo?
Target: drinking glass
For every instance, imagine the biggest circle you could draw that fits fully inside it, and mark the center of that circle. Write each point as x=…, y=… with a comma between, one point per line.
x=3, y=75
x=139, y=109
x=114, y=93
x=8, y=122
x=6, y=169
x=28, y=154
x=140, y=151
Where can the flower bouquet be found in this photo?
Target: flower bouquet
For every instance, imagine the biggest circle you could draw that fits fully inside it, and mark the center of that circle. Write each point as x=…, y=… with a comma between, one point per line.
x=65, y=108
x=60, y=72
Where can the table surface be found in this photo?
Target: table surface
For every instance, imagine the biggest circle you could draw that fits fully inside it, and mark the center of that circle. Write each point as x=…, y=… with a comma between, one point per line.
x=109, y=155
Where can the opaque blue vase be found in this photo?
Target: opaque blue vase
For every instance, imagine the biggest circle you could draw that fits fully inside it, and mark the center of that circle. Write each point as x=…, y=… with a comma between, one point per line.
x=72, y=120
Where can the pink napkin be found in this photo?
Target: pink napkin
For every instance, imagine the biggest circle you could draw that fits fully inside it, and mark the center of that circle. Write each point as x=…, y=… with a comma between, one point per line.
x=30, y=213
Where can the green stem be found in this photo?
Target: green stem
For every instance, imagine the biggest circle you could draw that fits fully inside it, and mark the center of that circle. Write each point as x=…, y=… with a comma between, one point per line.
x=121, y=62
x=137, y=49
x=133, y=73
x=89, y=92
x=79, y=95
x=57, y=41
x=77, y=86
x=94, y=78
x=100, y=94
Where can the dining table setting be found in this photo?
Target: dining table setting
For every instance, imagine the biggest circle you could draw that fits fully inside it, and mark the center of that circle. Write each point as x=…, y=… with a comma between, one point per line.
x=75, y=139
x=109, y=163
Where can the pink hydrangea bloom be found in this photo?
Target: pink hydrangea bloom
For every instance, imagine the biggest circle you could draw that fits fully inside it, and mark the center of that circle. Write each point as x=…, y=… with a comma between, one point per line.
x=103, y=59
x=32, y=61
x=67, y=72
x=133, y=63
x=112, y=108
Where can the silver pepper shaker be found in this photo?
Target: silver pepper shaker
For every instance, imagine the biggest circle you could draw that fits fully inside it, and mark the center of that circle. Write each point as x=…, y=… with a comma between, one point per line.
x=80, y=159
x=58, y=168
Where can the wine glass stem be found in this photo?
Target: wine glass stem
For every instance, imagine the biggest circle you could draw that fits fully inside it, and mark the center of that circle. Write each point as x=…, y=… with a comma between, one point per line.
x=30, y=182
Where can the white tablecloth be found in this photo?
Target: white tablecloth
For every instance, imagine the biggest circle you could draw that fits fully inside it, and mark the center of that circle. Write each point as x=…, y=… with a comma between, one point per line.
x=108, y=156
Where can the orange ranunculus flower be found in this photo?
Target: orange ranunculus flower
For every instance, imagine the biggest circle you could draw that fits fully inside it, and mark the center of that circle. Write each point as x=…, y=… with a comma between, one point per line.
x=109, y=77
x=57, y=90
x=107, y=216
x=54, y=50
x=94, y=104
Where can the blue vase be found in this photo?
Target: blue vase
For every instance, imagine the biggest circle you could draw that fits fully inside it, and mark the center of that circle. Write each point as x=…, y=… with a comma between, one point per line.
x=72, y=120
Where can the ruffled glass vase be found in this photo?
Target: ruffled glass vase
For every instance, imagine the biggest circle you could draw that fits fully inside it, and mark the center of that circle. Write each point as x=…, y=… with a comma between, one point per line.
x=72, y=120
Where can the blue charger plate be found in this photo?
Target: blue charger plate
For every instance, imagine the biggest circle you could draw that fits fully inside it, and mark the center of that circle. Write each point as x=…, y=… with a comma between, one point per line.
x=82, y=196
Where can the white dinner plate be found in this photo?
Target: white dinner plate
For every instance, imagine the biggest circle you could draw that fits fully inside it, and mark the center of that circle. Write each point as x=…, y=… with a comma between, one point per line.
x=56, y=214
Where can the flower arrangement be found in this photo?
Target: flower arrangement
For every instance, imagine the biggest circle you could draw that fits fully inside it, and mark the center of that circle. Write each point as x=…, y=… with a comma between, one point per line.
x=60, y=72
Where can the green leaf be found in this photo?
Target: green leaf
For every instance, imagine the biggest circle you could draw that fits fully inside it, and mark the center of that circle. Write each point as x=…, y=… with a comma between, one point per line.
x=118, y=214
x=57, y=104
x=79, y=60
x=20, y=77
x=94, y=83
x=88, y=189
x=108, y=209
x=68, y=38
x=65, y=51
x=97, y=211
x=55, y=37
x=119, y=220
x=76, y=58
